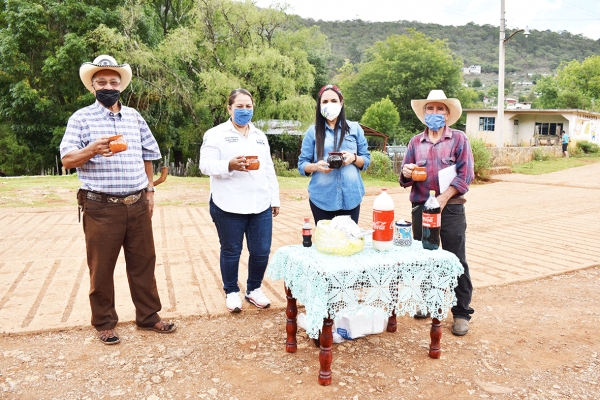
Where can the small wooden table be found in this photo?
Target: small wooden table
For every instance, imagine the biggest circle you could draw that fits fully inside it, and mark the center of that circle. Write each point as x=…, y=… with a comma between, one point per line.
x=399, y=281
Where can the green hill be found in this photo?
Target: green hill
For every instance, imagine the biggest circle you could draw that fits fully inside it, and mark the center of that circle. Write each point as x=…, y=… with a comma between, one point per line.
x=475, y=44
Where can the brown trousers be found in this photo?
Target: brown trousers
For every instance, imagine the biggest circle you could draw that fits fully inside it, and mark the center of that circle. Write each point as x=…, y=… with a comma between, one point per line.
x=107, y=228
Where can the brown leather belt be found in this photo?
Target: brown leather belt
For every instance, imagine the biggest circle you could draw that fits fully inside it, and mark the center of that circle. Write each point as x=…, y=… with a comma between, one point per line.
x=106, y=198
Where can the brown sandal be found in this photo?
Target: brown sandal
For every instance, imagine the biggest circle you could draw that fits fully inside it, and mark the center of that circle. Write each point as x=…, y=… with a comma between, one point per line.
x=161, y=327
x=109, y=337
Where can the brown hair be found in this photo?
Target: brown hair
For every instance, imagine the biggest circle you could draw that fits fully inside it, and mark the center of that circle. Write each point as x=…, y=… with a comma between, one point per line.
x=236, y=92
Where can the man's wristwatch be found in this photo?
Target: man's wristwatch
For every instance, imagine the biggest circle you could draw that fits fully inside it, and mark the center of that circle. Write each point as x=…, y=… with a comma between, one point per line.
x=150, y=189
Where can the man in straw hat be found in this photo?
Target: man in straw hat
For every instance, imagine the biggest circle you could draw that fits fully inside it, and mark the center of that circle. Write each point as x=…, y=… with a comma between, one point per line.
x=116, y=196
x=441, y=148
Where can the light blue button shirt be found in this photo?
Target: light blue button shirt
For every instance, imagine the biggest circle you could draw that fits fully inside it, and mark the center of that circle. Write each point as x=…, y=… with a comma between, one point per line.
x=341, y=189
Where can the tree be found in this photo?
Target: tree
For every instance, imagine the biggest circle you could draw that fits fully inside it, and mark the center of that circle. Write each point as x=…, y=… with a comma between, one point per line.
x=383, y=117
x=476, y=83
x=402, y=68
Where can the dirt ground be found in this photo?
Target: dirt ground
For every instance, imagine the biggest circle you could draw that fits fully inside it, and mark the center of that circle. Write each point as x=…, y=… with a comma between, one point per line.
x=529, y=340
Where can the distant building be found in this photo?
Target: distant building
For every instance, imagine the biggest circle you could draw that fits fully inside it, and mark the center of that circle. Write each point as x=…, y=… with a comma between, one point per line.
x=523, y=126
x=473, y=69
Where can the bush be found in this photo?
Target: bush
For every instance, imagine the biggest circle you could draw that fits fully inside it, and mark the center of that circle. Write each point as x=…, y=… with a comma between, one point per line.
x=482, y=157
x=282, y=168
x=588, y=147
x=381, y=167
x=540, y=155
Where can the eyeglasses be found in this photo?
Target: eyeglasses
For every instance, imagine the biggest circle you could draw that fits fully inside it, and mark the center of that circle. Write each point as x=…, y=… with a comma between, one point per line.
x=104, y=82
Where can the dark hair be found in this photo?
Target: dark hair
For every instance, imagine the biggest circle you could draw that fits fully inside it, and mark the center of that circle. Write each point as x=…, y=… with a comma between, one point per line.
x=236, y=92
x=320, y=122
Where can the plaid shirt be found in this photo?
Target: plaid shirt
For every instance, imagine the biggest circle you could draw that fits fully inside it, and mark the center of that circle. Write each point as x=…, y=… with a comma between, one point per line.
x=452, y=148
x=124, y=172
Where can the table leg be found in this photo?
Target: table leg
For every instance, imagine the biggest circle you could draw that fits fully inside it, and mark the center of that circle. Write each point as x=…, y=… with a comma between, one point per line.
x=291, y=327
x=325, y=356
x=435, y=350
x=391, y=326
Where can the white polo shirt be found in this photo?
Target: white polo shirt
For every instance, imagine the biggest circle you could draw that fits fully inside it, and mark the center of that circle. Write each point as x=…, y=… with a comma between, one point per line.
x=239, y=192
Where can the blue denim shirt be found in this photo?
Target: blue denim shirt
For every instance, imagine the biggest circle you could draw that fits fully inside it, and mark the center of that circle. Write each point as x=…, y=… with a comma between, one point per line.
x=341, y=189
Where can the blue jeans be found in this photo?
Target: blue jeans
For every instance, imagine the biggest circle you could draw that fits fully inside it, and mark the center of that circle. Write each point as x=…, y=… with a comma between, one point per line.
x=453, y=238
x=319, y=214
x=231, y=228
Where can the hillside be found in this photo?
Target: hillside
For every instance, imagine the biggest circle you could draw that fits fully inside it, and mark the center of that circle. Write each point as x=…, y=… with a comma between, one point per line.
x=541, y=52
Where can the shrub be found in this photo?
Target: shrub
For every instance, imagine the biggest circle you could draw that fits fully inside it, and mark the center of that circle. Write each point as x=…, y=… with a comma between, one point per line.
x=540, y=155
x=588, y=147
x=482, y=157
x=381, y=167
x=282, y=168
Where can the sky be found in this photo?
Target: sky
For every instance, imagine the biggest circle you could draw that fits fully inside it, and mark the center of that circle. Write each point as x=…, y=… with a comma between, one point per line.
x=575, y=16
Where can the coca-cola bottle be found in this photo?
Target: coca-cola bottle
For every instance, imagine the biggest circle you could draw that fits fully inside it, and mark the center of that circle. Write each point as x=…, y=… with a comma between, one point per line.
x=383, y=221
x=306, y=233
x=432, y=222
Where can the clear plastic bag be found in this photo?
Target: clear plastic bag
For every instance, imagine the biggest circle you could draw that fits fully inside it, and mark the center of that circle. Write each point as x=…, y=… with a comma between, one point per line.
x=333, y=241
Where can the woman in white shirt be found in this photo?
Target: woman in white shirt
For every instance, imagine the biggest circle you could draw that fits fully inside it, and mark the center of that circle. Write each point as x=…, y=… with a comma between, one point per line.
x=242, y=201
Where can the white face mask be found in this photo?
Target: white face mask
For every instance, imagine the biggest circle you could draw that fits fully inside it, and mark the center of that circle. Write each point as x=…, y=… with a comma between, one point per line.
x=331, y=110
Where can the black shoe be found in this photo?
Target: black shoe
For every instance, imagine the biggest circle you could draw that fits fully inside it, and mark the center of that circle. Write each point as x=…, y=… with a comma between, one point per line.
x=421, y=315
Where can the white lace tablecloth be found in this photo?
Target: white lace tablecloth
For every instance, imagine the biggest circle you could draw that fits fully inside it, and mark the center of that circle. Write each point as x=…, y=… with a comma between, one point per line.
x=401, y=280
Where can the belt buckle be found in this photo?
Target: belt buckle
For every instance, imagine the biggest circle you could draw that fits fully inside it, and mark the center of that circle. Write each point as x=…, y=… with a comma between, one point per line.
x=132, y=198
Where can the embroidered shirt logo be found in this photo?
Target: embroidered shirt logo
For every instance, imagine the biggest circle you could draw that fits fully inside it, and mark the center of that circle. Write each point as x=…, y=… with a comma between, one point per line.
x=260, y=141
x=232, y=139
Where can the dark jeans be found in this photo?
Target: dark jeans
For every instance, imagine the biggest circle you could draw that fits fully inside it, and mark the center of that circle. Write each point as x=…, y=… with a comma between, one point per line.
x=107, y=228
x=231, y=228
x=319, y=214
x=452, y=234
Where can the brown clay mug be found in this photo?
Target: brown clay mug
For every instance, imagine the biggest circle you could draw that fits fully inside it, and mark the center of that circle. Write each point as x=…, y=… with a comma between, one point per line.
x=335, y=160
x=117, y=144
x=419, y=174
x=253, y=162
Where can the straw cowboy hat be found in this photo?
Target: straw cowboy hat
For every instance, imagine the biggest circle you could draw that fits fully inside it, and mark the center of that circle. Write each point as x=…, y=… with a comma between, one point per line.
x=438, y=96
x=88, y=69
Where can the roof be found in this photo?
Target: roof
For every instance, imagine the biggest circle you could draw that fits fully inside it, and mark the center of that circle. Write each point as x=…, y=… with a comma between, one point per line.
x=280, y=127
x=533, y=111
x=372, y=132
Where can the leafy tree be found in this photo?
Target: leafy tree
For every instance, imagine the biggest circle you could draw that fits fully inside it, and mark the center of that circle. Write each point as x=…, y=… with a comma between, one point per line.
x=42, y=45
x=383, y=117
x=575, y=85
x=402, y=68
x=476, y=83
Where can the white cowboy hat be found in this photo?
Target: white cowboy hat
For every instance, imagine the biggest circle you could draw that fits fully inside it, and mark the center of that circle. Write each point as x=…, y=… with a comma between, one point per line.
x=88, y=69
x=438, y=96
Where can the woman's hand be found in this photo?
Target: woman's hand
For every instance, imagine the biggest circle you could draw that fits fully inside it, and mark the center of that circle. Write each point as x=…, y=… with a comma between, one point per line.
x=320, y=166
x=407, y=170
x=348, y=157
x=238, y=164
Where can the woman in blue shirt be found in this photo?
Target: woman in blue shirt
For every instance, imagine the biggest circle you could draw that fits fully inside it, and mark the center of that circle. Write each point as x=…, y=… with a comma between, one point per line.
x=334, y=192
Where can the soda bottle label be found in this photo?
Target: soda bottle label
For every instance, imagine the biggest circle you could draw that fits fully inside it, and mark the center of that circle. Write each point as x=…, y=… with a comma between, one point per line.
x=432, y=220
x=305, y=231
x=383, y=225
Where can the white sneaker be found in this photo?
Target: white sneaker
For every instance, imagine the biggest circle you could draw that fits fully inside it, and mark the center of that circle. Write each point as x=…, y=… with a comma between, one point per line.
x=258, y=298
x=234, y=302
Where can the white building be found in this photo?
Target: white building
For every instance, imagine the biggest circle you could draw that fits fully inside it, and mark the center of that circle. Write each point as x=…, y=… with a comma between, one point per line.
x=527, y=127
x=473, y=69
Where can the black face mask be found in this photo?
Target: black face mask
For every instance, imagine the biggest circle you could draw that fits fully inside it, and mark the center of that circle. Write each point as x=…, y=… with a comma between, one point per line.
x=108, y=97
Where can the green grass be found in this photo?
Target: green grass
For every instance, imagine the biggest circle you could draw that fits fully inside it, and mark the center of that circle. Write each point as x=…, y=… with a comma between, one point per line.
x=554, y=164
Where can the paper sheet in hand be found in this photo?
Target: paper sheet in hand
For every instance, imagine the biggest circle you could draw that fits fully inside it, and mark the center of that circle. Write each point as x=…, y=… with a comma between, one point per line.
x=446, y=176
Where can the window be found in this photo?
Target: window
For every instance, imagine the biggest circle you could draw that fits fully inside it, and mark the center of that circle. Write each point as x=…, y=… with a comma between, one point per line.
x=547, y=128
x=487, y=123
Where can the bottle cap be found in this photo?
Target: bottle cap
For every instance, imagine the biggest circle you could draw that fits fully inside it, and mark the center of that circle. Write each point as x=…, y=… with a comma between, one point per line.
x=432, y=192
x=306, y=219
x=383, y=189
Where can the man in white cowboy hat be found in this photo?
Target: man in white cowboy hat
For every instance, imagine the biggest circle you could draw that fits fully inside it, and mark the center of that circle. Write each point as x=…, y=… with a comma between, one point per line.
x=437, y=148
x=116, y=196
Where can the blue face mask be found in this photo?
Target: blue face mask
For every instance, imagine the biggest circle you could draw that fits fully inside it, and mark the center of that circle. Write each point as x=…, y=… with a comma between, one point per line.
x=435, y=122
x=242, y=116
